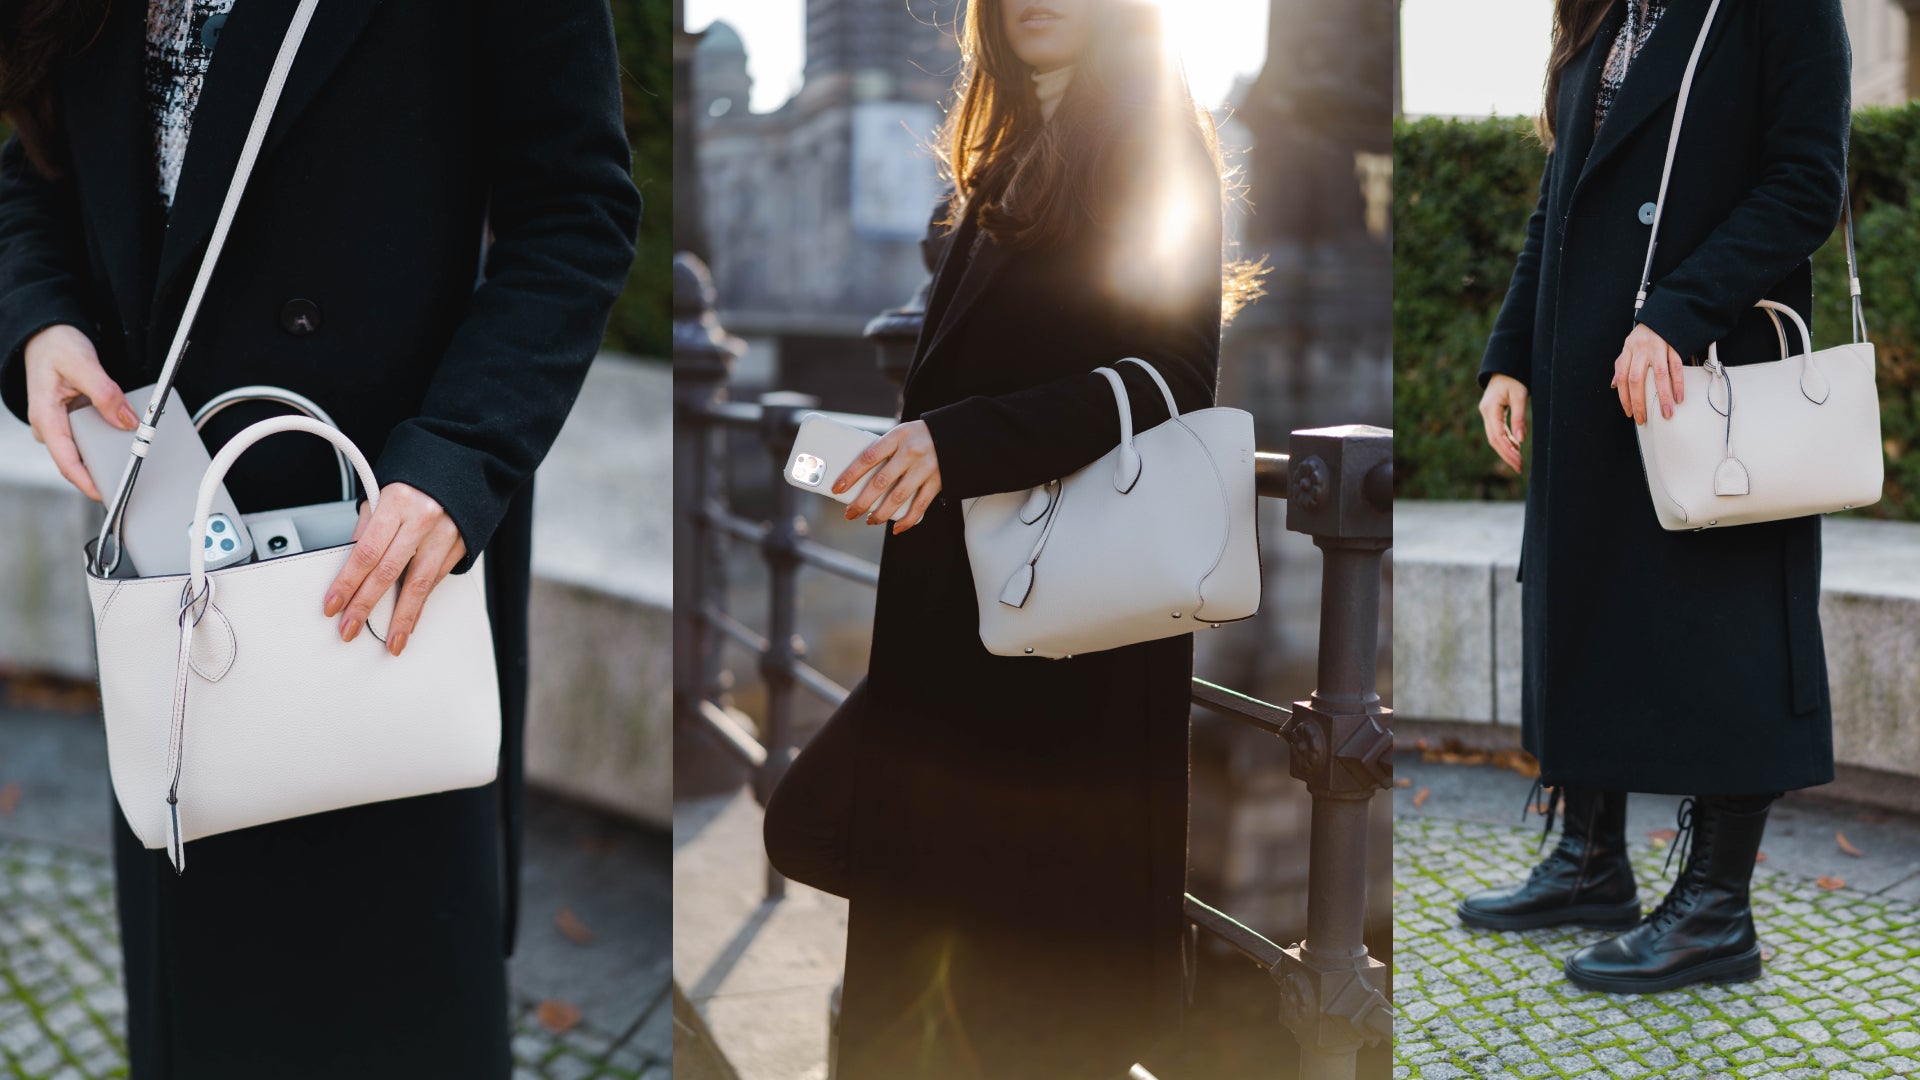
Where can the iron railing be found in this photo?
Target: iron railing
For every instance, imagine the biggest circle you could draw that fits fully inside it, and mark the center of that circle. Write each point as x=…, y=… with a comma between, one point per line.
x=1337, y=483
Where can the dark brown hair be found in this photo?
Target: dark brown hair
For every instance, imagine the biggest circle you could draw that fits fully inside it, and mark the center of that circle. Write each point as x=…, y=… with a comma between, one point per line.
x=1574, y=24
x=35, y=36
x=1036, y=183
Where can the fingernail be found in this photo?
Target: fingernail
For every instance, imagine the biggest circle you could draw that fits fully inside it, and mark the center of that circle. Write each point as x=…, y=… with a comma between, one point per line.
x=851, y=515
x=332, y=605
x=350, y=630
x=1666, y=411
x=398, y=643
x=128, y=421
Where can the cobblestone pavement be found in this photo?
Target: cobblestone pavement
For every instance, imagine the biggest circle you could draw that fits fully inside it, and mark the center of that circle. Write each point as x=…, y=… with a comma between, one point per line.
x=62, y=1010
x=1840, y=999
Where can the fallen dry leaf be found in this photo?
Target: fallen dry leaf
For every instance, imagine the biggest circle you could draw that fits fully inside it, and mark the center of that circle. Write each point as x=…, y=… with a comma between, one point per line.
x=557, y=1016
x=1766, y=956
x=1760, y=858
x=1420, y=797
x=569, y=924
x=1455, y=752
x=1662, y=837
x=9, y=798
x=1403, y=782
x=1847, y=845
x=1830, y=883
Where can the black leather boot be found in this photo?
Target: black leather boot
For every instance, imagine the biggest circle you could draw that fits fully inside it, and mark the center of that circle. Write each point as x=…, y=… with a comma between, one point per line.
x=1585, y=881
x=1703, y=930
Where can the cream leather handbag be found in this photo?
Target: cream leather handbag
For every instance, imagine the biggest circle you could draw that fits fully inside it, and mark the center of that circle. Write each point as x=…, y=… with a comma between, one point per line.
x=230, y=699
x=1159, y=537
x=1761, y=442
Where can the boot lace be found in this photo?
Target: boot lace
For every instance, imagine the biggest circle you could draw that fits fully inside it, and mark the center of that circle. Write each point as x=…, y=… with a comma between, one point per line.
x=1556, y=797
x=1690, y=883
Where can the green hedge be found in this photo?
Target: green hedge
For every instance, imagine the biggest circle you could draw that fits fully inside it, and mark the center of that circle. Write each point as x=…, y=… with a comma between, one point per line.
x=1462, y=192
x=642, y=321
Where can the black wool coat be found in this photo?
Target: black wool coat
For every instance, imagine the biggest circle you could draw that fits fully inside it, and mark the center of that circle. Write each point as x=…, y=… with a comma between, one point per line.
x=366, y=942
x=1019, y=840
x=1678, y=662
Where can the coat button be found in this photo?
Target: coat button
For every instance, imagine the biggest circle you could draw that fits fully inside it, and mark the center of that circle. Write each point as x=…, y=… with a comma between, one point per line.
x=1646, y=213
x=300, y=317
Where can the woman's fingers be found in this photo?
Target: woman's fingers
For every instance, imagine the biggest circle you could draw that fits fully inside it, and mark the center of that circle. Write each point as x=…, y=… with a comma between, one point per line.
x=369, y=560
x=88, y=377
x=1663, y=385
x=1517, y=417
x=1677, y=367
x=52, y=428
x=386, y=571
x=425, y=571
x=922, y=499
x=1492, y=410
x=875, y=453
x=902, y=492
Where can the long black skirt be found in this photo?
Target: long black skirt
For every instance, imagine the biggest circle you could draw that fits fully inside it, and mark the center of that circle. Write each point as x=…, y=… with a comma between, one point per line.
x=365, y=942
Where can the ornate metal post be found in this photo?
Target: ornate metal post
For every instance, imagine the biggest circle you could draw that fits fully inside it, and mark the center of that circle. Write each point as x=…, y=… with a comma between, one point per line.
x=781, y=550
x=1332, y=992
x=703, y=355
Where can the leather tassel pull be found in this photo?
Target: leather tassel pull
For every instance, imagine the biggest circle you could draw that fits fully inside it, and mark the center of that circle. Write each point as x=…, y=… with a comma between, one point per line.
x=1019, y=586
x=1731, y=478
x=176, y=847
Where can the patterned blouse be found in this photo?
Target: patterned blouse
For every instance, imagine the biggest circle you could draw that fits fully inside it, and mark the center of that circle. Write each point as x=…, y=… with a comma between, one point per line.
x=1635, y=29
x=180, y=39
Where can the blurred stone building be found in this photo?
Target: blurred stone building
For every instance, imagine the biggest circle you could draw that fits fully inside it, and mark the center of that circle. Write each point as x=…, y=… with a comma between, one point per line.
x=813, y=212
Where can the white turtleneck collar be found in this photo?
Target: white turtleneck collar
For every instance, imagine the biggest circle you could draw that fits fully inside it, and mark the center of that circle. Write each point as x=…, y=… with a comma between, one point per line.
x=1050, y=87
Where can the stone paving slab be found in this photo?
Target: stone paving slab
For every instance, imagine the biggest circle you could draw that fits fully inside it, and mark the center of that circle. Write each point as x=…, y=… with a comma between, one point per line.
x=1840, y=999
x=63, y=1007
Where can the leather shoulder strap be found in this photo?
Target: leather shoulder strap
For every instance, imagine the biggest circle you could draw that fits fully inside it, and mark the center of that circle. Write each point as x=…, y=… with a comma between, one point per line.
x=242, y=169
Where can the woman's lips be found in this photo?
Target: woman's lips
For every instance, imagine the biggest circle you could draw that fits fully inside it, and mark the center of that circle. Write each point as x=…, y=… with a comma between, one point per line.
x=1039, y=16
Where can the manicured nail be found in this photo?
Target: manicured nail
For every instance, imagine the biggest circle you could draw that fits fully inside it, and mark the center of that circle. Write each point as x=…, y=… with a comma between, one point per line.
x=1666, y=411
x=128, y=421
x=398, y=643
x=349, y=629
x=851, y=513
x=332, y=605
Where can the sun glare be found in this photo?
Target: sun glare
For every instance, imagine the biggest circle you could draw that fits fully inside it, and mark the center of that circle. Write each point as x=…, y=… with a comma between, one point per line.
x=1216, y=41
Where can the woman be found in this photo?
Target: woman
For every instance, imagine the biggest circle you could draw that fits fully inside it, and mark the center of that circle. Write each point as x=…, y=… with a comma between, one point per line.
x=367, y=942
x=1012, y=832
x=1676, y=662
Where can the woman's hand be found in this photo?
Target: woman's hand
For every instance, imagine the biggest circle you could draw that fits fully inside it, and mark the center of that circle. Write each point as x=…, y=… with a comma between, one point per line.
x=410, y=534
x=904, y=467
x=1503, y=408
x=1645, y=349
x=62, y=368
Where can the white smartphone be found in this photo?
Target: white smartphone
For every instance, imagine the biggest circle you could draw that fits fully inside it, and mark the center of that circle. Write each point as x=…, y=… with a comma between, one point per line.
x=153, y=536
x=822, y=451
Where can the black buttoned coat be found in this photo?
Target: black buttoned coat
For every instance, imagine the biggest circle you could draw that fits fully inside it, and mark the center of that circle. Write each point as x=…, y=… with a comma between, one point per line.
x=366, y=942
x=1019, y=836
x=1680, y=662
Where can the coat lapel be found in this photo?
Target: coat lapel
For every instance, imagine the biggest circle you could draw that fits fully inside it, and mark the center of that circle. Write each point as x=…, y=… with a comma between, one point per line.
x=111, y=140
x=228, y=98
x=951, y=302
x=1653, y=79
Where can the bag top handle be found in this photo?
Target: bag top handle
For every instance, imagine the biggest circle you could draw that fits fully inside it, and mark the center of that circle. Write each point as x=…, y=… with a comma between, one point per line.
x=1666, y=174
x=242, y=169
x=217, y=471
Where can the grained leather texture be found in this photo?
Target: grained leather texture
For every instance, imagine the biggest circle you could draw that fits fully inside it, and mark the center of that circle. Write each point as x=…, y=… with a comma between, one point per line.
x=297, y=722
x=1156, y=538
x=1779, y=454
x=1762, y=442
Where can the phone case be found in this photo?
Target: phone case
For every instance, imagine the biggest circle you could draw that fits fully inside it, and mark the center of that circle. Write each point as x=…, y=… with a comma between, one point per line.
x=153, y=536
x=822, y=451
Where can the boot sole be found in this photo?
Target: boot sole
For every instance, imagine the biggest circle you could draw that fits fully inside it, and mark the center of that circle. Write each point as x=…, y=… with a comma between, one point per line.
x=1741, y=967
x=1621, y=916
